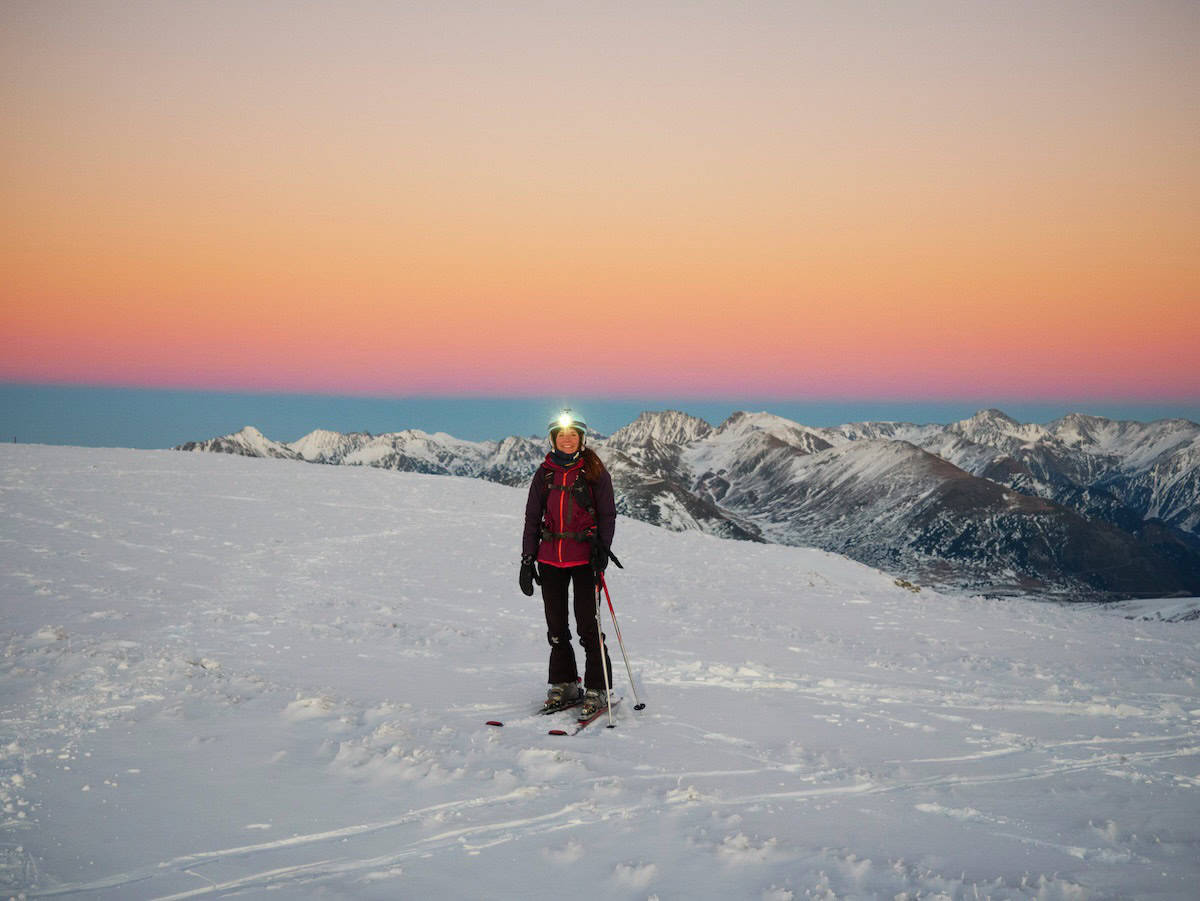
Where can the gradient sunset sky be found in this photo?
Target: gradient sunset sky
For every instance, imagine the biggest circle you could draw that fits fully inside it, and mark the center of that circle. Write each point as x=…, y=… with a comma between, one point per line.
x=771, y=199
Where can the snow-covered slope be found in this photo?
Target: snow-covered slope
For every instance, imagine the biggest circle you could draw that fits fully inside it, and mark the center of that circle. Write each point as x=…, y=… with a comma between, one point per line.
x=890, y=503
x=740, y=426
x=1122, y=472
x=227, y=676
x=652, y=495
x=1170, y=487
x=1170, y=610
x=1138, y=445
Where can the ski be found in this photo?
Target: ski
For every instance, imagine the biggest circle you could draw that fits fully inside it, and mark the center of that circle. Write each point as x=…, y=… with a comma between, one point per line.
x=582, y=722
x=546, y=711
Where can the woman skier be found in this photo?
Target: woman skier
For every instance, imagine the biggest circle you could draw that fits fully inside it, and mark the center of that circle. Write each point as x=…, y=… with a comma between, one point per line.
x=569, y=521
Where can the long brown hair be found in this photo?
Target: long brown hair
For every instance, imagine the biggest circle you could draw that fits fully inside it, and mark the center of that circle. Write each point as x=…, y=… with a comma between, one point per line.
x=593, y=467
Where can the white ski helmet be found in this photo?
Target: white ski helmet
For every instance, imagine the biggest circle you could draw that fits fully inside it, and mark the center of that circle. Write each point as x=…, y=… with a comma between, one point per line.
x=567, y=420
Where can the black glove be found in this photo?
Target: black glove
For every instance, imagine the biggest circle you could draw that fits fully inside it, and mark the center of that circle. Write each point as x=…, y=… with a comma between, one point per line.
x=599, y=558
x=528, y=576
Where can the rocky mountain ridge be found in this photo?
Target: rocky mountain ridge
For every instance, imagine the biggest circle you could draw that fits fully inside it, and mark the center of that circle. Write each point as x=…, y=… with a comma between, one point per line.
x=1082, y=507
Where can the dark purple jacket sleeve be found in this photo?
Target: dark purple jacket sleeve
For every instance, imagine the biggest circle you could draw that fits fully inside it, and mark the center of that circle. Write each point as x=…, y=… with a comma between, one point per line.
x=606, y=509
x=534, y=508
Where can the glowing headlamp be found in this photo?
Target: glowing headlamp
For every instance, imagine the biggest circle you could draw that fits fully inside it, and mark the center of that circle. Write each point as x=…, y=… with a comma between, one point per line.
x=567, y=420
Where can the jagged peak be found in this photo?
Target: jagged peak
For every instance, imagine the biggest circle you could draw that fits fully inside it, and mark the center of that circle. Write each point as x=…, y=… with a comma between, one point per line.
x=518, y=441
x=743, y=420
x=1081, y=419
x=324, y=444
x=248, y=441
x=1082, y=429
x=1089, y=419
x=323, y=434
x=328, y=436
x=991, y=425
x=252, y=437
x=743, y=423
x=666, y=426
x=991, y=416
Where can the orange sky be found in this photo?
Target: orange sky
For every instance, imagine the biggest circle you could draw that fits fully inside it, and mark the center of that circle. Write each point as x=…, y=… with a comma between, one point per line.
x=797, y=199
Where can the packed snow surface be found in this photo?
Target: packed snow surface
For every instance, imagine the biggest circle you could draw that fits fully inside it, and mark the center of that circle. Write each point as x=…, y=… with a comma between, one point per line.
x=229, y=676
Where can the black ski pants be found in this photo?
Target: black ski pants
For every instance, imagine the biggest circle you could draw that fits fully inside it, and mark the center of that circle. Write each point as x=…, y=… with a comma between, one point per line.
x=555, y=583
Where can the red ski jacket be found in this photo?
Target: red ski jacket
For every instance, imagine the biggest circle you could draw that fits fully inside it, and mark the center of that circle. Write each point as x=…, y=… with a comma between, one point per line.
x=559, y=526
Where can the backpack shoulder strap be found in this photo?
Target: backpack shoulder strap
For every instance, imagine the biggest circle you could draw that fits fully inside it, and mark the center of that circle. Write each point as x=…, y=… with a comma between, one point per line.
x=580, y=489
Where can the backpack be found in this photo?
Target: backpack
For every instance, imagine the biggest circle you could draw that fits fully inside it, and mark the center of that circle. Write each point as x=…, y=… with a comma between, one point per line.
x=581, y=492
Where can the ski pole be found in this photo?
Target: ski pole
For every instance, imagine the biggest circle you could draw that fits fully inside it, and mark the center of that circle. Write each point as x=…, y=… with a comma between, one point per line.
x=638, y=705
x=604, y=661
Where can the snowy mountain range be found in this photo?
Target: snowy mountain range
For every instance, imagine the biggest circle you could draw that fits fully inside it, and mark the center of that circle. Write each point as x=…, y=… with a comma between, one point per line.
x=1082, y=507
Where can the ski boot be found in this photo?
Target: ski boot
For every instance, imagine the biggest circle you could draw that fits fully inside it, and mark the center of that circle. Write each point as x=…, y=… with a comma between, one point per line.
x=594, y=700
x=561, y=696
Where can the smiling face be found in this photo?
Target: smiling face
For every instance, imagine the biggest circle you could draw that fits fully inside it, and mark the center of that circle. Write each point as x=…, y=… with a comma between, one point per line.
x=566, y=441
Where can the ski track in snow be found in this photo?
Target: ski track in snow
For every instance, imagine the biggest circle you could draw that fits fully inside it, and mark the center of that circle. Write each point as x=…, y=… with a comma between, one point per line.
x=226, y=677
